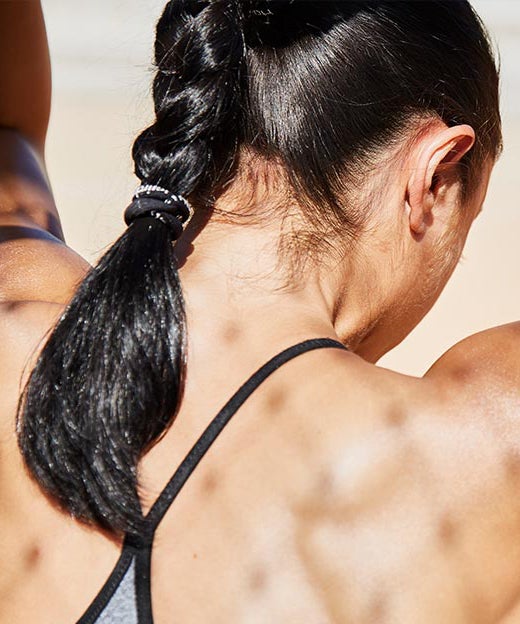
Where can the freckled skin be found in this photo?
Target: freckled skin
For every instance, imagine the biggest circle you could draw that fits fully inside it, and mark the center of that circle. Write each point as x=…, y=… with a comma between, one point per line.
x=209, y=483
x=339, y=493
x=275, y=400
x=32, y=556
x=512, y=464
x=447, y=531
x=231, y=332
x=378, y=608
x=396, y=417
x=258, y=579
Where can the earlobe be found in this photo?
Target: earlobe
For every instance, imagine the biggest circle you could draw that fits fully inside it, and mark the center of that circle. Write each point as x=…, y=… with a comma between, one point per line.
x=421, y=217
x=436, y=150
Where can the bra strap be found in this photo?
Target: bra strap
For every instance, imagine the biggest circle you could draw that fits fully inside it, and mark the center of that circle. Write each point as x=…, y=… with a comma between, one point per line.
x=218, y=423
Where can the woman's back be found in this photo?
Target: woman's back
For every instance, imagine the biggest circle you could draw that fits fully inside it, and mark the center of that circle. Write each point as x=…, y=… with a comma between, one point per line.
x=317, y=503
x=339, y=491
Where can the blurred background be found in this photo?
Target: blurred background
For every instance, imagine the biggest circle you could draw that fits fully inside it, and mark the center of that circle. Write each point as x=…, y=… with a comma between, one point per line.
x=101, y=55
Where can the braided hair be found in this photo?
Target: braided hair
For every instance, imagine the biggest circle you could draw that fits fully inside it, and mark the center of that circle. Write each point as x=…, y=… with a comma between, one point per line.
x=323, y=86
x=110, y=377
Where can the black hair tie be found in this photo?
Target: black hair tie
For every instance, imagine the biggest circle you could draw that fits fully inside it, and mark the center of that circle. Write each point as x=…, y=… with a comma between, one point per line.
x=152, y=204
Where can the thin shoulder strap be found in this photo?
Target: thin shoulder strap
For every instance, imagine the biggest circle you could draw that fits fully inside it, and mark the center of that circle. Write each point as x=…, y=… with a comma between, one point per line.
x=212, y=431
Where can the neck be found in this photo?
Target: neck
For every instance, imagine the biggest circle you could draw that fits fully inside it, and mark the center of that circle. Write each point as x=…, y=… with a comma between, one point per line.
x=236, y=298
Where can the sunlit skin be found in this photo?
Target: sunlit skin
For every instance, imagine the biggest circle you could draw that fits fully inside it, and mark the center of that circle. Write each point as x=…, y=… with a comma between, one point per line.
x=341, y=492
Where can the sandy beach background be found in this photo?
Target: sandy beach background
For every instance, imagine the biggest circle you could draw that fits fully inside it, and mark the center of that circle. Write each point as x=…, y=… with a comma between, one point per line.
x=101, y=56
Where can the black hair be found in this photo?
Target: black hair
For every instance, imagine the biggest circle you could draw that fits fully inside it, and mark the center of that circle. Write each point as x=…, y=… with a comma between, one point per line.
x=323, y=88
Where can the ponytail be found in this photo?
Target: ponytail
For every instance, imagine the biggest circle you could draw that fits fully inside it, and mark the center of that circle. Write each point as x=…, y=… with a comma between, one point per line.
x=109, y=379
x=291, y=83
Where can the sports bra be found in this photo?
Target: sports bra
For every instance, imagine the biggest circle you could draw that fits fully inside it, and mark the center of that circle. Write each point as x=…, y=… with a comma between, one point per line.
x=125, y=598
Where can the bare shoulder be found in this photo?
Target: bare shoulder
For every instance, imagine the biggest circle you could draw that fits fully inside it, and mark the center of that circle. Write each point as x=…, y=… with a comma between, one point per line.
x=492, y=354
x=37, y=265
x=24, y=327
x=478, y=383
x=416, y=507
x=25, y=324
x=40, y=273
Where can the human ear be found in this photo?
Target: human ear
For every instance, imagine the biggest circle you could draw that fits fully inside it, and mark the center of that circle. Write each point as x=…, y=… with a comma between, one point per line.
x=437, y=149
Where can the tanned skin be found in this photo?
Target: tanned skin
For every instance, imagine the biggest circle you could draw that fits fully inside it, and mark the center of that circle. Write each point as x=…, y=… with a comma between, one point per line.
x=341, y=492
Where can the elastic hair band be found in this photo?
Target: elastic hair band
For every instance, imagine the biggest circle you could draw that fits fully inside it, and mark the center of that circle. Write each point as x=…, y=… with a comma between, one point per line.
x=155, y=202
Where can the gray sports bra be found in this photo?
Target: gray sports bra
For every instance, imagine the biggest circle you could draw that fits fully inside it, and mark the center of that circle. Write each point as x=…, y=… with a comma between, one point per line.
x=125, y=598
